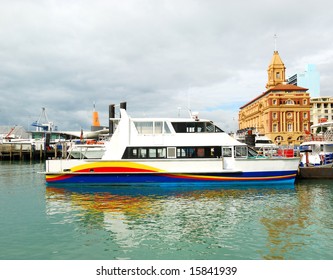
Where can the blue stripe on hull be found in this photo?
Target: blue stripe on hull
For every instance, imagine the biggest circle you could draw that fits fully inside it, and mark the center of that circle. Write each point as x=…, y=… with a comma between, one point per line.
x=285, y=177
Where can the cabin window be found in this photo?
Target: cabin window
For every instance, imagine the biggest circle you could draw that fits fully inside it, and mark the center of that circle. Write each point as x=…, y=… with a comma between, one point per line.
x=134, y=153
x=151, y=152
x=240, y=151
x=152, y=127
x=186, y=152
x=201, y=152
x=158, y=127
x=226, y=151
x=161, y=152
x=144, y=127
x=198, y=127
x=156, y=153
x=142, y=153
x=171, y=152
x=198, y=152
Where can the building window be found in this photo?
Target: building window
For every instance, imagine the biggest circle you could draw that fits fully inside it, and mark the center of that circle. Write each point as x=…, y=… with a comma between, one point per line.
x=274, y=115
x=305, y=102
x=305, y=127
x=305, y=115
x=278, y=139
x=289, y=102
x=275, y=127
x=290, y=127
x=278, y=75
x=274, y=102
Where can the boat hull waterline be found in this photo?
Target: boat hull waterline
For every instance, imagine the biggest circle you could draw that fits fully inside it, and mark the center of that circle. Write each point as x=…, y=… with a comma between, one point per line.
x=95, y=174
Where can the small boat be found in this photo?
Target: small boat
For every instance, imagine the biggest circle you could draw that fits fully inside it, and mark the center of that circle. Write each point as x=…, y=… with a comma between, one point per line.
x=317, y=154
x=172, y=151
x=86, y=151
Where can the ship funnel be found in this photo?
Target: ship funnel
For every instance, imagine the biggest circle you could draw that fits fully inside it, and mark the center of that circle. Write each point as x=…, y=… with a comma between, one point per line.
x=111, y=117
x=123, y=105
x=95, y=120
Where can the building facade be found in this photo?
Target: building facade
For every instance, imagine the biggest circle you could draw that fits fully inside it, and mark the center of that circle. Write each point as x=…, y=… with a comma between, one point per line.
x=309, y=79
x=321, y=109
x=282, y=112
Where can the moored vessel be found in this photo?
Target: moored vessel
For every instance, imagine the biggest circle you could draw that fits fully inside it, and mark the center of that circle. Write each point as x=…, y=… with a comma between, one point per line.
x=317, y=153
x=172, y=150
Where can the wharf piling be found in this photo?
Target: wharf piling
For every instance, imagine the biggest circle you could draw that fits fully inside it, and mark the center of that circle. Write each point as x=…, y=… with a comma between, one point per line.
x=18, y=151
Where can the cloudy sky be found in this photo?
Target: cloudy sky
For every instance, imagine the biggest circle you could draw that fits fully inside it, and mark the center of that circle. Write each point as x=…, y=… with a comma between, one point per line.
x=162, y=57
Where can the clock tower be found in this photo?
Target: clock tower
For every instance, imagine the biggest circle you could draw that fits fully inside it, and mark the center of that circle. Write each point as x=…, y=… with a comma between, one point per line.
x=276, y=71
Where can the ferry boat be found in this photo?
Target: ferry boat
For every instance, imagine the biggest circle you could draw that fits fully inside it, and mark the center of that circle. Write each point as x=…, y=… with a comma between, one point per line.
x=172, y=150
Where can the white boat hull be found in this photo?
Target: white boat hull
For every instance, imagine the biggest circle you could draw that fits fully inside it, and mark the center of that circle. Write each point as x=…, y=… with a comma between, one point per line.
x=266, y=170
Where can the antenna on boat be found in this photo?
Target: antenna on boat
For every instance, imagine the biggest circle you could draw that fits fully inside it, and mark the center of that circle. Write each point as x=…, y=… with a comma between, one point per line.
x=193, y=115
x=179, y=109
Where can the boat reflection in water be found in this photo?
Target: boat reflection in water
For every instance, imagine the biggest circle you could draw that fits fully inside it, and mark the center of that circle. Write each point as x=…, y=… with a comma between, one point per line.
x=161, y=223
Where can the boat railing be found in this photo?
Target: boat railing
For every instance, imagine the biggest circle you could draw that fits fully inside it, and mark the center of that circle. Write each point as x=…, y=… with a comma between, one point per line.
x=274, y=152
x=327, y=136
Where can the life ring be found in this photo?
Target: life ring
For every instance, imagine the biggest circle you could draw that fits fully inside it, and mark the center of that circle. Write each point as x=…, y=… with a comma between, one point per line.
x=90, y=142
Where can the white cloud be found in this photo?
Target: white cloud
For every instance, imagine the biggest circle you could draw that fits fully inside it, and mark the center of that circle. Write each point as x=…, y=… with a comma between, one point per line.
x=156, y=55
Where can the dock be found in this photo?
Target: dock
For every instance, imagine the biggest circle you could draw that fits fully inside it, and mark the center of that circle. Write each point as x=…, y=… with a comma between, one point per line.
x=18, y=151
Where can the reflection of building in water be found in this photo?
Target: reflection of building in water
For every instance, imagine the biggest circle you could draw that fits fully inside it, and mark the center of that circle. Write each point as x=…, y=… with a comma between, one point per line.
x=285, y=227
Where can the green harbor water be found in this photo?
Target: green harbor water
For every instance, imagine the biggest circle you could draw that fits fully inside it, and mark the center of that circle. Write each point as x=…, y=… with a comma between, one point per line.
x=39, y=222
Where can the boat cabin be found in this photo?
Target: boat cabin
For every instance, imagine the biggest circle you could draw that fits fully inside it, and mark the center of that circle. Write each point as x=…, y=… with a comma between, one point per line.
x=176, y=138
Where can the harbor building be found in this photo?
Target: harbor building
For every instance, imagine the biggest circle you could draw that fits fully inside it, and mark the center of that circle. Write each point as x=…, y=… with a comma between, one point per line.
x=13, y=132
x=321, y=109
x=282, y=112
x=309, y=79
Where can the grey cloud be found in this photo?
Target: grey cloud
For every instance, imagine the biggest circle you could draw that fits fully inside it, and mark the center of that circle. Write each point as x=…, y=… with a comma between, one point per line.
x=157, y=55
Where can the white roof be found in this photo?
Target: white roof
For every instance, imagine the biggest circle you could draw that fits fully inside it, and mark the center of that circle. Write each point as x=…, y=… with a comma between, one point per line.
x=326, y=124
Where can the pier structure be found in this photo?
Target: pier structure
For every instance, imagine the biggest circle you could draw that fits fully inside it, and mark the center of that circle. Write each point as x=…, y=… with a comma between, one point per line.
x=27, y=151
